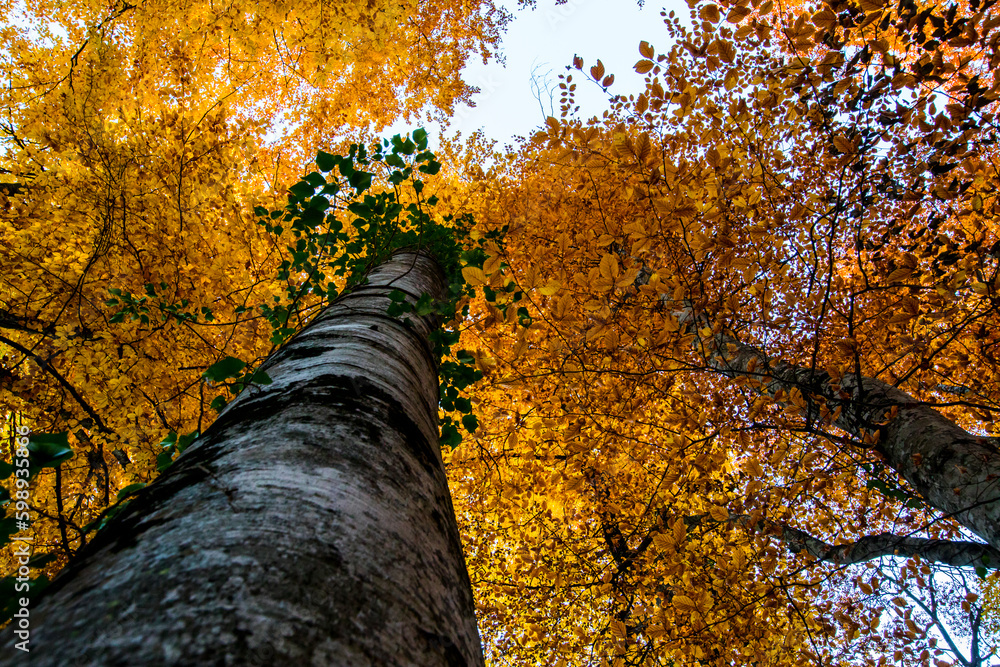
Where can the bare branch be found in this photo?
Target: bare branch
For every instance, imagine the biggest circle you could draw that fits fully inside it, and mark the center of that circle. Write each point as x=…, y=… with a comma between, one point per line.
x=871, y=547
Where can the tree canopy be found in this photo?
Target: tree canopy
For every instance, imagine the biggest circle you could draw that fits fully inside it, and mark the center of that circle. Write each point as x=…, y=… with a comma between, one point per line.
x=738, y=341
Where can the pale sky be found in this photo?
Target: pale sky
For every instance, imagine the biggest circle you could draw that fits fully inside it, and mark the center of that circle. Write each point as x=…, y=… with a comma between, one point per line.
x=547, y=38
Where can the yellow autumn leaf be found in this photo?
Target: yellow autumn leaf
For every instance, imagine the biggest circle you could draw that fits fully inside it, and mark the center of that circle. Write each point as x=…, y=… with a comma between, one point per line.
x=684, y=603
x=551, y=288
x=680, y=531
x=663, y=542
x=491, y=265
x=718, y=513
x=474, y=276
x=843, y=144
x=643, y=66
x=610, y=267
x=899, y=275
x=737, y=14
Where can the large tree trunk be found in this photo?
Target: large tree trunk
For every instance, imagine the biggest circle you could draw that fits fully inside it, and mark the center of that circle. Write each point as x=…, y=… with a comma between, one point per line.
x=955, y=471
x=310, y=525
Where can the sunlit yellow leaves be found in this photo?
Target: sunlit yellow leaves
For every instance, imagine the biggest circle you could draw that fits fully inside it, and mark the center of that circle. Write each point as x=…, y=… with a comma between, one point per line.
x=610, y=267
x=664, y=542
x=520, y=346
x=492, y=264
x=899, y=275
x=847, y=346
x=767, y=213
x=561, y=309
x=718, y=513
x=739, y=559
x=550, y=288
x=811, y=457
x=684, y=603
x=675, y=211
x=642, y=104
x=679, y=531
x=474, y=276
x=643, y=147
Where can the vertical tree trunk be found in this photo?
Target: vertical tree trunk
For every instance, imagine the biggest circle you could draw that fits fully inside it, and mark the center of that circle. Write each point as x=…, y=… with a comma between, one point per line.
x=310, y=525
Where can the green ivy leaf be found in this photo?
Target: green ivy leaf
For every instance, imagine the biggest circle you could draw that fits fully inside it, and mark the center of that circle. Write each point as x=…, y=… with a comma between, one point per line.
x=185, y=440
x=8, y=527
x=360, y=180
x=49, y=449
x=430, y=168
x=225, y=369
x=325, y=161
x=470, y=422
x=131, y=489
x=450, y=436
x=420, y=136
x=164, y=459
x=314, y=179
x=302, y=190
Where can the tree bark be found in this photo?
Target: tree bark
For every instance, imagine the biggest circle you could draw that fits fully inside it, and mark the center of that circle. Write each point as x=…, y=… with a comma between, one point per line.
x=310, y=525
x=956, y=553
x=953, y=470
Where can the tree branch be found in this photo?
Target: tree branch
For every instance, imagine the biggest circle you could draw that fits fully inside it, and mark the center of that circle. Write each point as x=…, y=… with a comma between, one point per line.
x=870, y=547
x=953, y=470
x=50, y=369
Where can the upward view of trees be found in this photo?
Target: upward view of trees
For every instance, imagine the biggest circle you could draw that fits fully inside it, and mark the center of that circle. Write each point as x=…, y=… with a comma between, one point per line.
x=728, y=353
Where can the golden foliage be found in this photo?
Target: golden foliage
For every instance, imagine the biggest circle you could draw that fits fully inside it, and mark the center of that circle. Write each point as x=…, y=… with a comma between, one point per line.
x=136, y=140
x=797, y=183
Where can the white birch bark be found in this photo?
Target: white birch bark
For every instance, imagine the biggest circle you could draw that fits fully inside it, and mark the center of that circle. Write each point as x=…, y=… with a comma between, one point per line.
x=310, y=525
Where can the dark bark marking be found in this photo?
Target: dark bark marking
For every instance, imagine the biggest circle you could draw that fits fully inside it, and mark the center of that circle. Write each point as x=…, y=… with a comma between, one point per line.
x=302, y=352
x=446, y=644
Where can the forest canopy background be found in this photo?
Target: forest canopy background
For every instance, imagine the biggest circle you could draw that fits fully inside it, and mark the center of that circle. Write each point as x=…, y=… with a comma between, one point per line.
x=738, y=343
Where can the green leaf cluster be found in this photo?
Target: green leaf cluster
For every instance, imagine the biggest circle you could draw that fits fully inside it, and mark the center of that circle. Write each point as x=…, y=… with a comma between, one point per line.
x=134, y=308
x=341, y=229
x=173, y=446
